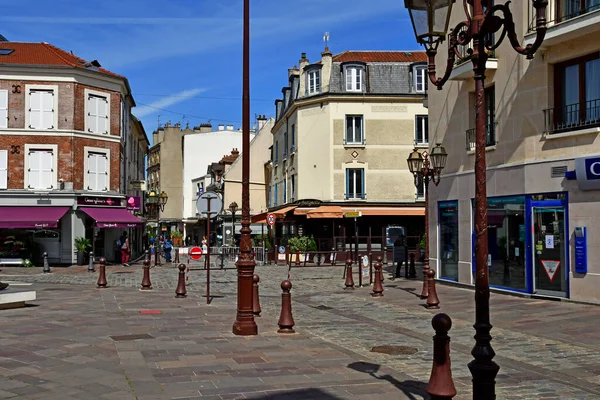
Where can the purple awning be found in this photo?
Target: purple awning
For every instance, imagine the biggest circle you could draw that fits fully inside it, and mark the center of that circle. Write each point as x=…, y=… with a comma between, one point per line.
x=31, y=217
x=107, y=217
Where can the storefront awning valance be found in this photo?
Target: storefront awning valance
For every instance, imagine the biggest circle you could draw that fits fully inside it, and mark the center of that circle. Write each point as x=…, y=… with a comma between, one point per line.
x=107, y=217
x=31, y=217
x=262, y=217
x=326, y=212
x=391, y=211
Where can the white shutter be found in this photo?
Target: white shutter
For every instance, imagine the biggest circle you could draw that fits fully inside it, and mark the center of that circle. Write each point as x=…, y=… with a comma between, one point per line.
x=46, y=170
x=349, y=81
x=47, y=107
x=3, y=108
x=92, y=171
x=92, y=117
x=34, y=169
x=3, y=169
x=35, y=109
x=102, y=171
x=102, y=114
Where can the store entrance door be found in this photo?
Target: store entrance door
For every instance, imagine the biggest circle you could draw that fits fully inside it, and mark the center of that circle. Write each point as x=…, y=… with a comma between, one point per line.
x=549, y=251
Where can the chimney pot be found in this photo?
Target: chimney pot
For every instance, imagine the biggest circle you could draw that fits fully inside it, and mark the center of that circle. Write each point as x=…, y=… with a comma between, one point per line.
x=221, y=127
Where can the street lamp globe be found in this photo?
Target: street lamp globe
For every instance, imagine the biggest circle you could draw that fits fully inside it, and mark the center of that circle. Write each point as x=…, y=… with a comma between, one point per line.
x=415, y=162
x=430, y=19
x=163, y=198
x=438, y=157
x=152, y=197
x=233, y=207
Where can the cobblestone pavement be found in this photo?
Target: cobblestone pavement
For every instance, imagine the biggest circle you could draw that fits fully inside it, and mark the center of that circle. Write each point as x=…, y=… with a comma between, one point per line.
x=63, y=348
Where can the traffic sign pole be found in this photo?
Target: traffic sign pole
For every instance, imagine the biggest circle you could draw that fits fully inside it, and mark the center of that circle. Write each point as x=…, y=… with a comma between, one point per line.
x=208, y=199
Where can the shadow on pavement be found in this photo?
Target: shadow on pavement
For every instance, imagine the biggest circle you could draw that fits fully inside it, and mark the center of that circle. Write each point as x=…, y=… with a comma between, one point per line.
x=409, y=388
x=300, y=394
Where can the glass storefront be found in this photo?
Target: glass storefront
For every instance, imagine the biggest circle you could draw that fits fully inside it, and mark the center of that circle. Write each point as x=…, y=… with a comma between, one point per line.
x=448, y=245
x=29, y=244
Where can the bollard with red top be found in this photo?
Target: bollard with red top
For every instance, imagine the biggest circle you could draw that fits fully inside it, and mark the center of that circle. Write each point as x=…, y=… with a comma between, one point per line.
x=286, y=320
x=102, y=274
x=349, y=280
x=441, y=385
x=378, y=286
x=146, y=284
x=180, y=291
x=255, y=300
x=432, y=298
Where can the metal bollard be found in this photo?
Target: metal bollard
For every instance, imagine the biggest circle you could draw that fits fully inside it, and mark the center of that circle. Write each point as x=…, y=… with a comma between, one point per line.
x=441, y=385
x=379, y=259
x=147, y=256
x=255, y=300
x=286, y=320
x=46, y=268
x=102, y=274
x=146, y=284
x=385, y=258
x=91, y=263
x=180, y=291
x=432, y=299
x=412, y=272
x=176, y=255
x=377, y=286
x=349, y=280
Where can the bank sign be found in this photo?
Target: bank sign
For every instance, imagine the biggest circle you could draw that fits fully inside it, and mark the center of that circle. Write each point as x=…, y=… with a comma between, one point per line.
x=588, y=173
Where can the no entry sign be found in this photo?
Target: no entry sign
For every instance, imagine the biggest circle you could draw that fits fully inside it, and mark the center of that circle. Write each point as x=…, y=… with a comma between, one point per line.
x=195, y=253
x=271, y=219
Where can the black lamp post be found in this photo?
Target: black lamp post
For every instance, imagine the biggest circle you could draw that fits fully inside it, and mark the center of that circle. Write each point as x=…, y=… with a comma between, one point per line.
x=484, y=20
x=427, y=168
x=233, y=207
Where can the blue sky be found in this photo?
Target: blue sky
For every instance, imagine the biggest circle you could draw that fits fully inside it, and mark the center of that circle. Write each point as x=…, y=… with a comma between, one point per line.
x=184, y=56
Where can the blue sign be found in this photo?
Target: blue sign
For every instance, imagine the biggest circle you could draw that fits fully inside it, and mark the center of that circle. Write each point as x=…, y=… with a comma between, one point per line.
x=588, y=173
x=580, y=250
x=592, y=168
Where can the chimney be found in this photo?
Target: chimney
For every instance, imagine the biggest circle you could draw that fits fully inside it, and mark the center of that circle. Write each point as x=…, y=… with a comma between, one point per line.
x=221, y=127
x=262, y=120
x=203, y=128
x=303, y=63
x=235, y=152
x=293, y=71
x=326, y=60
x=229, y=127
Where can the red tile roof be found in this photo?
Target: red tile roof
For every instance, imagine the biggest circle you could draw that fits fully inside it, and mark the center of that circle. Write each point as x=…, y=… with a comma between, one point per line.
x=43, y=54
x=381, y=56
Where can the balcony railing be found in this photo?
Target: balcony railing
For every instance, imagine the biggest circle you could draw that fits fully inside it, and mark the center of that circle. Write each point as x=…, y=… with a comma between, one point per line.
x=464, y=52
x=490, y=137
x=572, y=117
x=565, y=10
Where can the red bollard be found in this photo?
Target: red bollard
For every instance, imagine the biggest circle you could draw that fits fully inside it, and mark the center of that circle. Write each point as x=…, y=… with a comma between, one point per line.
x=432, y=300
x=441, y=386
x=102, y=274
x=379, y=260
x=146, y=284
x=255, y=300
x=180, y=291
x=349, y=280
x=377, y=286
x=286, y=321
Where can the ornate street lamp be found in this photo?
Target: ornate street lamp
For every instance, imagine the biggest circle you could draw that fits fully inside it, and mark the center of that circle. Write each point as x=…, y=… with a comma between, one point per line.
x=162, y=201
x=233, y=207
x=484, y=20
x=427, y=168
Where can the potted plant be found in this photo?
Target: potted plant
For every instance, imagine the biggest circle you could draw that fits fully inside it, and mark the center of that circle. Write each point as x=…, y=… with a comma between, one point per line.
x=303, y=244
x=177, y=238
x=82, y=245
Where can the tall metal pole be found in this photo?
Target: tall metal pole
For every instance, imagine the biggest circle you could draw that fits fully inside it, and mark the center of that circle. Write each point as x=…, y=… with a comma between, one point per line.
x=208, y=200
x=232, y=241
x=244, y=323
x=425, y=291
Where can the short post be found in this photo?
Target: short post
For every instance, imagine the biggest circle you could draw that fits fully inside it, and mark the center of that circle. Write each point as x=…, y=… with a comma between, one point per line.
x=385, y=258
x=176, y=258
x=432, y=299
x=379, y=259
x=412, y=272
x=146, y=284
x=147, y=256
x=222, y=257
x=46, y=268
x=349, y=280
x=286, y=320
x=255, y=300
x=102, y=274
x=378, y=286
x=297, y=257
x=441, y=385
x=180, y=291
x=91, y=262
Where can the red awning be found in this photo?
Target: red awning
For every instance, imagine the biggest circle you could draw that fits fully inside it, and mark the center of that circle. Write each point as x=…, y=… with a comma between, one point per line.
x=31, y=217
x=107, y=217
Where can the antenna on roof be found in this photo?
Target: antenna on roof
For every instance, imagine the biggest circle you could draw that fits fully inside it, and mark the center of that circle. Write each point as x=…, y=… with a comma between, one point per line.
x=326, y=39
x=158, y=121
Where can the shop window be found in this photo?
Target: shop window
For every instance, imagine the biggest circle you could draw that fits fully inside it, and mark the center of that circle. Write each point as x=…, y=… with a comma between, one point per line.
x=448, y=223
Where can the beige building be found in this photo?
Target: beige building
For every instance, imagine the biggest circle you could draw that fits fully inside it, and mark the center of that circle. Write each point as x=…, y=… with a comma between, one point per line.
x=344, y=128
x=543, y=119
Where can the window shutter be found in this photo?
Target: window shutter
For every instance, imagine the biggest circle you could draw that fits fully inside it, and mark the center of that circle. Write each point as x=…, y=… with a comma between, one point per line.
x=102, y=172
x=362, y=184
x=349, y=80
x=3, y=169
x=92, y=172
x=358, y=72
x=46, y=170
x=102, y=103
x=47, y=109
x=347, y=183
x=35, y=109
x=34, y=169
x=92, y=116
x=3, y=108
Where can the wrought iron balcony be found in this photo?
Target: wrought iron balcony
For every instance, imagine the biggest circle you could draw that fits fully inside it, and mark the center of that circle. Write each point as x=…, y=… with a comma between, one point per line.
x=564, y=11
x=464, y=52
x=572, y=117
x=490, y=137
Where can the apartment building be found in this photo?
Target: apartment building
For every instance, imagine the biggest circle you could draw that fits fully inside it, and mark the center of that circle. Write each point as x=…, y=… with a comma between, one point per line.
x=543, y=152
x=344, y=127
x=64, y=123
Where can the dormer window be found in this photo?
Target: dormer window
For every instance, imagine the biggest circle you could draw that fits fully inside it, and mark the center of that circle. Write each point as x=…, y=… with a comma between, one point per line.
x=420, y=74
x=314, y=81
x=354, y=78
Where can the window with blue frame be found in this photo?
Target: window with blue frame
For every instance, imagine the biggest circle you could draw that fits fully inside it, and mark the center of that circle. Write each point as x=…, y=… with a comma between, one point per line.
x=275, y=196
x=448, y=253
x=284, y=191
x=355, y=183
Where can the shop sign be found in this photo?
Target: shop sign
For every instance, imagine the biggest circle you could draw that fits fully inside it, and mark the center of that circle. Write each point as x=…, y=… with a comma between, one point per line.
x=353, y=214
x=99, y=201
x=116, y=225
x=133, y=203
x=588, y=173
x=138, y=185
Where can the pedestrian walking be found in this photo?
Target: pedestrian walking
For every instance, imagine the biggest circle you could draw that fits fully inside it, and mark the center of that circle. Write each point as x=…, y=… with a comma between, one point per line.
x=168, y=247
x=125, y=246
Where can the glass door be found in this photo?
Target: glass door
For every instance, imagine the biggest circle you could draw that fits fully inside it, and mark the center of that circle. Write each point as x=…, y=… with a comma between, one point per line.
x=549, y=251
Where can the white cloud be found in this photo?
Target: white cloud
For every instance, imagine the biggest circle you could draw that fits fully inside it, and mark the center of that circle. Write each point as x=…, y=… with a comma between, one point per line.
x=154, y=107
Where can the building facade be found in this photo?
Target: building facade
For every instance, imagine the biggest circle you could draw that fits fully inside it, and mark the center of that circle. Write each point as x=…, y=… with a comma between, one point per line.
x=344, y=128
x=64, y=125
x=542, y=125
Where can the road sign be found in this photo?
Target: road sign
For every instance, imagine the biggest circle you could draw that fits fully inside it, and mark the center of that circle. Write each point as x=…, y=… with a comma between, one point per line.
x=195, y=253
x=353, y=214
x=216, y=204
x=271, y=219
x=551, y=266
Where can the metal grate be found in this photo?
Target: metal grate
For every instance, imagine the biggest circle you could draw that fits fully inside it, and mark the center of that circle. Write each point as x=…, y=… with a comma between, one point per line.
x=559, y=172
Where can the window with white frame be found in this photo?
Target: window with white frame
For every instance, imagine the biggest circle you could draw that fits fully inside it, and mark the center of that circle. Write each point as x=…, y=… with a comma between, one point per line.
x=314, y=81
x=420, y=73
x=355, y=183
x=354, y=78
x=40, y=168
x=421, y=189
x=3, y=108
x=421, y=130
x=3, y=169
x=354, y=129
x=41, y=108
x=97, y=171
x=97, y=107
